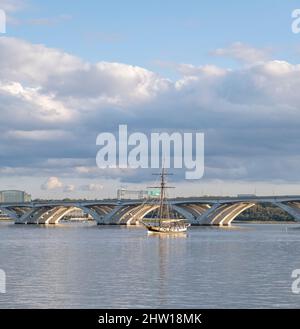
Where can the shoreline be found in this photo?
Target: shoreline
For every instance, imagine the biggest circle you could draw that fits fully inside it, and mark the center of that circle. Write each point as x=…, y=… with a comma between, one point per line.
x=264, y=222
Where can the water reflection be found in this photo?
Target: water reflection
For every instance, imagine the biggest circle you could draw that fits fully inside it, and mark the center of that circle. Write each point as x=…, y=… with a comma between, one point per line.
x=78, y=266
x=162, y=236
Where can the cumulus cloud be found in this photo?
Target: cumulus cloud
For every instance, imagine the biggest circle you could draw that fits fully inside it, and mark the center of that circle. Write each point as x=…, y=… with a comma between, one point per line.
x=206, y=70
x=53, y=105
x=52, y=183
x=47, y=108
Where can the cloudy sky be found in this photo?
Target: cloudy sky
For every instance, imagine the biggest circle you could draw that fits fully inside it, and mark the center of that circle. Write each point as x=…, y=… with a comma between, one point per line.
x=71, y=71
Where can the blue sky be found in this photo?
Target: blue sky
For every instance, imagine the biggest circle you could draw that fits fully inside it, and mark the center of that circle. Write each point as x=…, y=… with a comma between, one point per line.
x=154, y=34
x=70, y=70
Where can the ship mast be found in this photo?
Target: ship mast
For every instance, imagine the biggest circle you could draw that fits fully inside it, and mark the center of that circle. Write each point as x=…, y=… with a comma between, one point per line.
x=163, y=207
x=162, y=196
x=163, y=210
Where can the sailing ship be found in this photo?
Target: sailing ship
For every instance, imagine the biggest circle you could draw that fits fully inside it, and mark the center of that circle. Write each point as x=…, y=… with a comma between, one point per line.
x=162, y=221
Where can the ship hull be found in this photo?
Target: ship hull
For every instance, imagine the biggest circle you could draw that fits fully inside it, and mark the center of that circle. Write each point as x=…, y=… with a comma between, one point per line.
x=166, y=230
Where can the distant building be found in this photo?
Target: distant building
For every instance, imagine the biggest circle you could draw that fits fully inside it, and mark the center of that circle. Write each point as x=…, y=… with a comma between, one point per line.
x=246, y=195
x=131, y=194
x=14, y=197
x=77, y=214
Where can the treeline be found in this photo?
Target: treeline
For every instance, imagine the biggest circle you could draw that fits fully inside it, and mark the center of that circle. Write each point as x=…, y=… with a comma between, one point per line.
x=265, y=212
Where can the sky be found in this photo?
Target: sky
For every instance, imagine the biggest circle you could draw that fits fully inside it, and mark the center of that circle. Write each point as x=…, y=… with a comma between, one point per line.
x=70, y=70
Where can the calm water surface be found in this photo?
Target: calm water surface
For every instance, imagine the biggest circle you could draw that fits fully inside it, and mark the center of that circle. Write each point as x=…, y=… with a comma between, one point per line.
x=85, y=266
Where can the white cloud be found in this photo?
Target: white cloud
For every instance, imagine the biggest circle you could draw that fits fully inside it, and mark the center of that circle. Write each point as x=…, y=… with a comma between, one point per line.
x=53, y=105
x=34, y=63
x=46, y=107
x=52, y=183
x=244, y=53
x=206, y=70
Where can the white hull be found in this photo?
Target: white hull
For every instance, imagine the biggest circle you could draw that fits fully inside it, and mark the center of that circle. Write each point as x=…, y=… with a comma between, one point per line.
x=161, y=229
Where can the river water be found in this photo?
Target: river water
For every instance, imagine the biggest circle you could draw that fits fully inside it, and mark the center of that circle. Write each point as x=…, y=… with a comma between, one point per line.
x=85, y=266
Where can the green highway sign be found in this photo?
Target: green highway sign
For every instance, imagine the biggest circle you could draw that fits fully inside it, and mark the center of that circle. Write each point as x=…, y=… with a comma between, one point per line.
x=154, y=193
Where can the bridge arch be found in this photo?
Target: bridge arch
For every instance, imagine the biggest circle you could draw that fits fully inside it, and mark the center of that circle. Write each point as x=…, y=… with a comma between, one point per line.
x=292, y=208
x=133, y=215
x=10, y=213
x=229, y=216
x=53, y=214
x=223, y=214
x=195, y=209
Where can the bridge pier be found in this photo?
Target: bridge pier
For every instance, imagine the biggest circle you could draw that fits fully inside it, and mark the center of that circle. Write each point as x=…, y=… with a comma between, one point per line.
x=117, y=212
x=291, y=208
x=223, y=214
x=205, y=219
x=186, y=214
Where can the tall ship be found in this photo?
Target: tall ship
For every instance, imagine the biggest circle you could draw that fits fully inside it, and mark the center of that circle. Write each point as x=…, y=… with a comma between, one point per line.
x=163, y=219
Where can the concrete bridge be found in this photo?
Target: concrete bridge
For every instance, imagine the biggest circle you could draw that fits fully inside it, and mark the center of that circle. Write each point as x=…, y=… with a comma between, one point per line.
x=198, y=211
